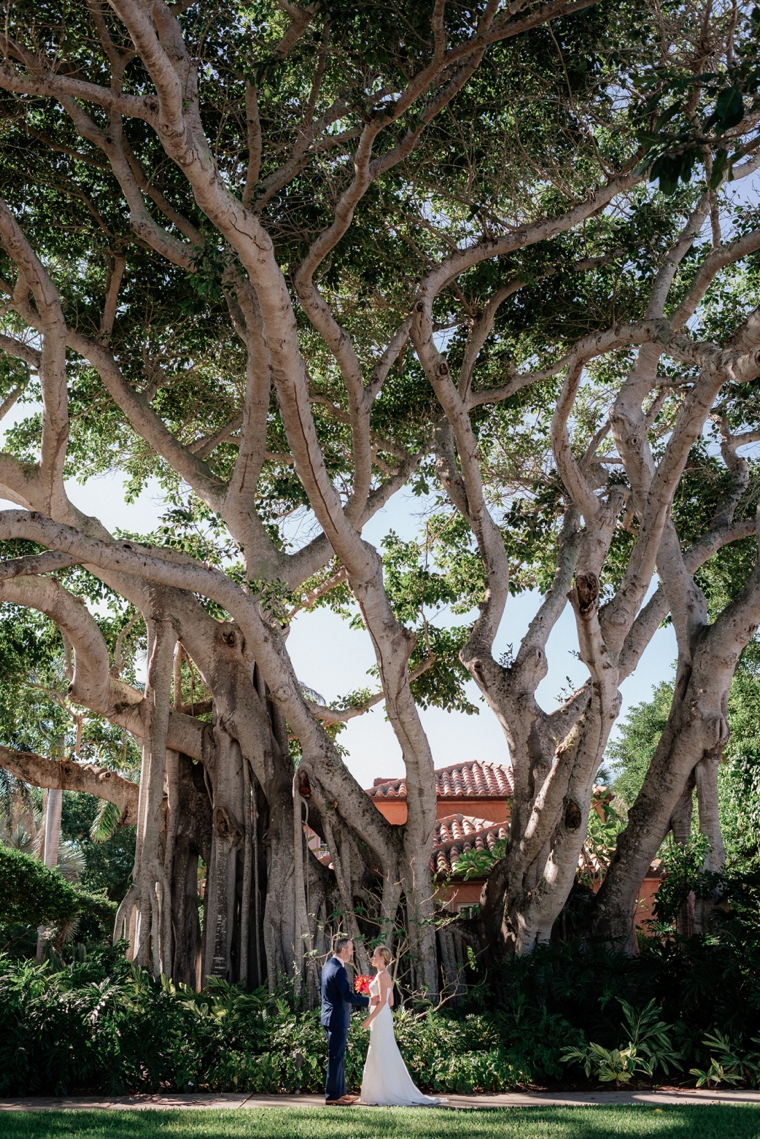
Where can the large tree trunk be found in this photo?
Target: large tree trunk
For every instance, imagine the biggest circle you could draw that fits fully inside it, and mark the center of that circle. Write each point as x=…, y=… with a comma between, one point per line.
x=221, y=955
x=192, y=842
x=689, y=748
x=144, y=916
x=706, y=779
x=51, y=837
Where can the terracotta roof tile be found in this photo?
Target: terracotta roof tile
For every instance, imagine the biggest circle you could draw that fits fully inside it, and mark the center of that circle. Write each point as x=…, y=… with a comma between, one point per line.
x=470, y=780
x=457, y=834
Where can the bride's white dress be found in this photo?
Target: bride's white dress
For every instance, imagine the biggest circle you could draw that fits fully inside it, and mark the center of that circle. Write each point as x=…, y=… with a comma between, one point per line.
x=386, y=1081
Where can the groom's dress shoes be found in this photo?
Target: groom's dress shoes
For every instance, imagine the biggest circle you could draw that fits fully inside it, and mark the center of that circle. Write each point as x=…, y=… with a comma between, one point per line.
x=344, y=1101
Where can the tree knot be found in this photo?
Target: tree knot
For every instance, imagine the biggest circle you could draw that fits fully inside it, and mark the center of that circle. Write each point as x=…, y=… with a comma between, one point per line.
x=228, y=635
x=227, y=826
x=573, y=815
x=587, y=593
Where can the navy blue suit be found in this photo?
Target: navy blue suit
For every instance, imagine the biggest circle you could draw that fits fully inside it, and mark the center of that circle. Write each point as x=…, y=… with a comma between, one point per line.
x=337, y=998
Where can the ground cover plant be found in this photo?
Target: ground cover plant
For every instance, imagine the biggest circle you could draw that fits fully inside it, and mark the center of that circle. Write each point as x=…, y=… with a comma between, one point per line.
x=639, y=1122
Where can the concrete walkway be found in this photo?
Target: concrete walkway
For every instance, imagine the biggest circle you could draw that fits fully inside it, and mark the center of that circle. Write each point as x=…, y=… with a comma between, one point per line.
x=670, y=1097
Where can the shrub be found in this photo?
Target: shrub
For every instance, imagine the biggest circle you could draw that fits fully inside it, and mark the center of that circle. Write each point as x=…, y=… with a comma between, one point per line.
x=649, y=1048
x=32, y=894
x=102, y=1025
x=729, y=1064
x=684, y=875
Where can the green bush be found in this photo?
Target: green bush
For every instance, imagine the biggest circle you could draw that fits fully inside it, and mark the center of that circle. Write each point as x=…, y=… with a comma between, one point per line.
x=102, y=1026
x=648, y=1048
x=108, y=861
x=684, y=875
x=32, y=894
x=699, y=986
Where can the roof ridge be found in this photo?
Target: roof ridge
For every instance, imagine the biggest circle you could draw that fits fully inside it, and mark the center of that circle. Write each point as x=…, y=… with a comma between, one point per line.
x=471, y=818
x=469, y=762
x=449, y=767
x=472, y=778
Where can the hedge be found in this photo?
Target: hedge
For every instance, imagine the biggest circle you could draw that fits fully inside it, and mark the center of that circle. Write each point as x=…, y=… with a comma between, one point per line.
x=33, y=894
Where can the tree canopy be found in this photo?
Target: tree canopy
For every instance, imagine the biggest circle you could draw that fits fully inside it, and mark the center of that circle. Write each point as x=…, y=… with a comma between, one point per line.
x=288, y=260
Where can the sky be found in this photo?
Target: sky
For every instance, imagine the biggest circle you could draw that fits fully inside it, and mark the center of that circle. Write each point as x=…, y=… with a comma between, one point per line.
x=333, y=659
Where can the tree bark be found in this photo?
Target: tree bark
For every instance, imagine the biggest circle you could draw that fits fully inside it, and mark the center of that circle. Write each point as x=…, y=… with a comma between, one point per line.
x=51, y=841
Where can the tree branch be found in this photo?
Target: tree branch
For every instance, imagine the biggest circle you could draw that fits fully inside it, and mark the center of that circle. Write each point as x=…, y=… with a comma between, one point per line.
x=68, y=775
x=52, y=361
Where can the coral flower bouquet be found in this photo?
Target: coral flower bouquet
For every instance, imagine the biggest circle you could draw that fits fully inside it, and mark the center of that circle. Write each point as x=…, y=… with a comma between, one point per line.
x=361, y=984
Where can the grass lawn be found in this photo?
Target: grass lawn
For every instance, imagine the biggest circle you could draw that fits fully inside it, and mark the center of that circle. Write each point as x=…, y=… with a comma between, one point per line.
x=678, y=1122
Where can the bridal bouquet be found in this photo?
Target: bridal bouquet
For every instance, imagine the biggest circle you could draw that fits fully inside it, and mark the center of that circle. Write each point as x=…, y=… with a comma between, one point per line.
x=361, y=984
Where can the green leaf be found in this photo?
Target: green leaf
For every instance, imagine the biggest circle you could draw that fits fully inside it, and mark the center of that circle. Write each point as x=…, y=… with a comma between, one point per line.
x=729, y=108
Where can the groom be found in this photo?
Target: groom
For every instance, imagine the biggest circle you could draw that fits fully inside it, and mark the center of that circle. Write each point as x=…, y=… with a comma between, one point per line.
x=337, y=998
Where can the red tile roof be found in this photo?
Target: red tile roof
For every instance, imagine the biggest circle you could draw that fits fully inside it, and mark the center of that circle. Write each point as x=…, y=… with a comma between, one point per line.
x=472, y=780
x=457, y=834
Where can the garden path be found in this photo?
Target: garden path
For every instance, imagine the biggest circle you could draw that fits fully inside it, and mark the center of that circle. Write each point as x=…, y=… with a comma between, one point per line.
x=665, y=1096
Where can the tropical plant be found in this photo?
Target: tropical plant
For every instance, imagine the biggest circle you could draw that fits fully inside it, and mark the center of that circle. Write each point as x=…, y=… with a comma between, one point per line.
x=728, y=1063
x=649, y=1048
x=684, y=879
x=102, y=1024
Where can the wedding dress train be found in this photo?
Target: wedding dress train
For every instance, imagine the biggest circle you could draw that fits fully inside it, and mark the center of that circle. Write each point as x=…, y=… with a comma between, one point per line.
x=386, y=1081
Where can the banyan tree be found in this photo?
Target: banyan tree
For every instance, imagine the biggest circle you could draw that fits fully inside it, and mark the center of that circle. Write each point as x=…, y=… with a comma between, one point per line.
x=288, y=258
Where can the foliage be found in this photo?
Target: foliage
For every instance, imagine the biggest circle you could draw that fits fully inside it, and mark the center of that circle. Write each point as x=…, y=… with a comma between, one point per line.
x=604, y=825
x=739, y=775
x=684, y=875
x=32, y=894
x=649, y=1048
x=668, y=127
x=694, y=986
x=35, y=713
x=108, y=852
x=728, y=1063
x=630, y=753
x=474, y=863
x=100, y=1024
x=737, y=915
x=739, y=783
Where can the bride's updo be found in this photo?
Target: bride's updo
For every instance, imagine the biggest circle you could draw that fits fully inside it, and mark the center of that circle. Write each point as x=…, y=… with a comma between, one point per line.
x=385, y=953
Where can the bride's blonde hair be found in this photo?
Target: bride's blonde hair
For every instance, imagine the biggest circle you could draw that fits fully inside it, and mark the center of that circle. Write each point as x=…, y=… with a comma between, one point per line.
x=385, y=953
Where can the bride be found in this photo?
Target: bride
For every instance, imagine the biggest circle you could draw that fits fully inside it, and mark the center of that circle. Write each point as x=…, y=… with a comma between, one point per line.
x=386, y=1081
